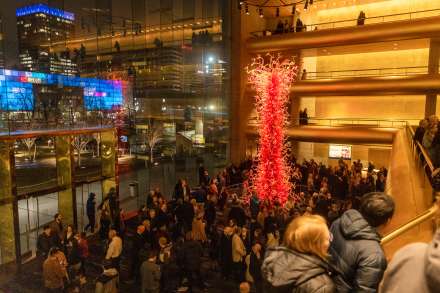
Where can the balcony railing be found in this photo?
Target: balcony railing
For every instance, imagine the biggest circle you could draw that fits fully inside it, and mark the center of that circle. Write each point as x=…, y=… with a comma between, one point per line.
x=426, y=167
x=354, y=22
x=373, y=72
x=359, y=122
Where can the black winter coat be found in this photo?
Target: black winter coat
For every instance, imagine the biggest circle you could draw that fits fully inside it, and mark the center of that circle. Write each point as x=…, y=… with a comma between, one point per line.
x=288, y=271
x=356, y=254
x=192, y=252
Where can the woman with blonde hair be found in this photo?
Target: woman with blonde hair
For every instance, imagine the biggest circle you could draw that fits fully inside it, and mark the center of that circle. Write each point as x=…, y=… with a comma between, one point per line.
x=300, y=264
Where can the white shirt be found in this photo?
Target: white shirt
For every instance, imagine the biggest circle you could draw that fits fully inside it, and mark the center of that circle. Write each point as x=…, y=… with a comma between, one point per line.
x=115, y=248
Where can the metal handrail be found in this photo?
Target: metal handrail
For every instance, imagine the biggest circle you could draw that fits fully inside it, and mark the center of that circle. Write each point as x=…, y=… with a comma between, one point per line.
x=386, y=123
x=427, y=215
x=333, y=23
x=368, y=72
x=431, y=212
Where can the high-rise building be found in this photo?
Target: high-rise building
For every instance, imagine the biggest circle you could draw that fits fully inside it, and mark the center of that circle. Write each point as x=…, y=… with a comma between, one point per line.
x=38, y=27
x=2, y=55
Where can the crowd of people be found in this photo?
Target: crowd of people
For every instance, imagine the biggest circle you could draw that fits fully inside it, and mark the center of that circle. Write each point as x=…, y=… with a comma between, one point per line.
x=428, y=135
x=327, y=241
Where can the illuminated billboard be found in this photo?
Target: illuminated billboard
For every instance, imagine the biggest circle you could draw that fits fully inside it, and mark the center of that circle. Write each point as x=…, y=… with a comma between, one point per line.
x=339, y=152
x=17, y=90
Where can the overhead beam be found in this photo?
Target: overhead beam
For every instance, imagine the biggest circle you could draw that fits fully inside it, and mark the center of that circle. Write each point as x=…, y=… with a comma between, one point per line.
x=380, y=32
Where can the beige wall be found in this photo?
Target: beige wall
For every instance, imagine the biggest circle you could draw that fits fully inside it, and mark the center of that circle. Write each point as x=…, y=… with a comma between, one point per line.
x=374, y=107
x=368, y=60
x=330, y=11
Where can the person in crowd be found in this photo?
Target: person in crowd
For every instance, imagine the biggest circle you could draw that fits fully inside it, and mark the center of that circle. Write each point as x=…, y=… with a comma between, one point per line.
x=420, y=130
x=181, y=190
x=255, y=263
x=53, y=272
x=105, y=218
x=304, y=77
x=238, y=255
x=192, y=252
x=380, y=183
x=83, y=247
x=334, y=212
x=90, y=211
x=414, y=268
x=355, y=250
x=226, y=251
x=150, y=274
x=286, y=26
x=138, y=243
x=170, y=274
x=245, y=287
x=45, y=242
x=57, y=228
x=361, y=18
x=299, y=25
x=73, y=257
x=428, y=140
x=300, y=265
x=114, y=249
x=237, y=212
x=198, y=229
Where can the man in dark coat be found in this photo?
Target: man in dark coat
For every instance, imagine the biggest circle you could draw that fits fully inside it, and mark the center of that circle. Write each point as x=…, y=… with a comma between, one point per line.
x=90, y=209
x=237, y=213
x=192, y=252
x=45, y=242
x=355, y=250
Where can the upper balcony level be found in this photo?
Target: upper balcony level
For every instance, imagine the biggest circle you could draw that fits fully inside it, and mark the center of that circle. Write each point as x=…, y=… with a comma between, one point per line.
x=394, y=27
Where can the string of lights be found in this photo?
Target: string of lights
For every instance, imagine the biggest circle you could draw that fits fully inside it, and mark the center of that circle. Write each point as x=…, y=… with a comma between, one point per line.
x=268, y=4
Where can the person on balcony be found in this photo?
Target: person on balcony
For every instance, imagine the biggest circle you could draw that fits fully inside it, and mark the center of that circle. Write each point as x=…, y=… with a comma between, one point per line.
x=280, y=28
x=361, y=18
x=420, y=130
x=299, y=25
x=355, y=251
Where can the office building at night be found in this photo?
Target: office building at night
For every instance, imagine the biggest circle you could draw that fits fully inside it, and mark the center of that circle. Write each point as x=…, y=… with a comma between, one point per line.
x=38, y=27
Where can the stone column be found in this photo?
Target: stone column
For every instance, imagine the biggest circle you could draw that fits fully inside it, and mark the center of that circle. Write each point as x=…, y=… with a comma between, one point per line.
x=433, y=64
x=65, y=170
x=9, y=228
x=109, y=162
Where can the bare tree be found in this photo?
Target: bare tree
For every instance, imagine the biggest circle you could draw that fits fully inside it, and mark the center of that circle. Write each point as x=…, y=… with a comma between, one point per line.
x=153, y=135
x=29, y=143
x=97, y=138
x=80, y=143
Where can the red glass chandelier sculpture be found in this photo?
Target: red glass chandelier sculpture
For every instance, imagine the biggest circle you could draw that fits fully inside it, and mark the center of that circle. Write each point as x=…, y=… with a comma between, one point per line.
x=271, y=78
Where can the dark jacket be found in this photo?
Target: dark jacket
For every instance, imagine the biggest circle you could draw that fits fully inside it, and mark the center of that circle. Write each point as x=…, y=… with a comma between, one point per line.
x=286, y=270
x=238, y=215
x=192, y=252
x=90, y=207
x=414, y=268
x=255, y=266
x=356, y=253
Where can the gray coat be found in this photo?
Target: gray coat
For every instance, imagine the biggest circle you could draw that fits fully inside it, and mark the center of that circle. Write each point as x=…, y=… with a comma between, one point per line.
x=356, y=254
x=414, y=268
x=286, y=270
x=150, y=274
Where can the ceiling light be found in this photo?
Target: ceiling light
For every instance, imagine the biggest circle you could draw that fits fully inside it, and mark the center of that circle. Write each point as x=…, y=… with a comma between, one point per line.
x=246, y=8
x=260, y=11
